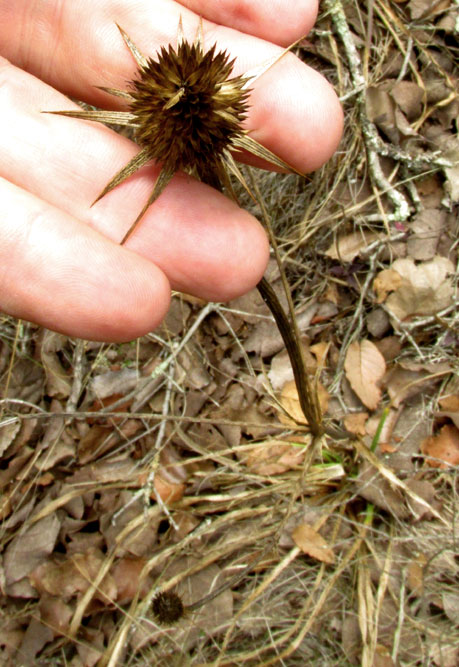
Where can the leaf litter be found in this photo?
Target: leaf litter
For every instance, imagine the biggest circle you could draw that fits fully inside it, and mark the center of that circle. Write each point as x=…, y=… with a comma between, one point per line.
x=185, y=464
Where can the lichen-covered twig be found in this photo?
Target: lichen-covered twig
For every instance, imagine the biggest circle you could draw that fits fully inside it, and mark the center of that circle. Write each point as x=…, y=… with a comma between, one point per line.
x=373, y=144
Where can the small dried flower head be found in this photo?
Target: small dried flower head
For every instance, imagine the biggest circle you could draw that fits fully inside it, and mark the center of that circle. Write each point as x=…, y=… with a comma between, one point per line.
x=186, y=110
x=186, y=114
x=167, y=607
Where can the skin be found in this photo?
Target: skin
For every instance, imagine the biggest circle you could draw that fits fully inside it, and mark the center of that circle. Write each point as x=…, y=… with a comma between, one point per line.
x=61, y=264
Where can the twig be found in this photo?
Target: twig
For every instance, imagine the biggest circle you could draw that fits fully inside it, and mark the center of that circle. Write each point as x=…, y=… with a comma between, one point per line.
x=77, y=383
x=372, y=141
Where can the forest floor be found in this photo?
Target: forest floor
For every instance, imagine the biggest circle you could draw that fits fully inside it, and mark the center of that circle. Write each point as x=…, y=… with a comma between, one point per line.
x=140, y=477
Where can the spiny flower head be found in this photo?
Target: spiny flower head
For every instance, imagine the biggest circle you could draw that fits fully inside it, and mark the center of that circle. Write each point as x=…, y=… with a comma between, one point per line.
x=186, y=114
x=168, y=607
x=187, y=111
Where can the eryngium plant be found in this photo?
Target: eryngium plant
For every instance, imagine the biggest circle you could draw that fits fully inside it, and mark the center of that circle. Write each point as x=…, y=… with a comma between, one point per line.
x=186, y=114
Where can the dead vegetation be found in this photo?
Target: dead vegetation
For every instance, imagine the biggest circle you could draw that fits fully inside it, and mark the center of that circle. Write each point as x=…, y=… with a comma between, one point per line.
x=181, y=462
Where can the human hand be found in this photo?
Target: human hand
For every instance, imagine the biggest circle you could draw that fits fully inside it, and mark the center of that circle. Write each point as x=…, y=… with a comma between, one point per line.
x=61, y=264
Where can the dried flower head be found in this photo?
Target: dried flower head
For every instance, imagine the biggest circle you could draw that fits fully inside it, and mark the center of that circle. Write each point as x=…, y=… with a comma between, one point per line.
x=186, y=114
x=167, y=607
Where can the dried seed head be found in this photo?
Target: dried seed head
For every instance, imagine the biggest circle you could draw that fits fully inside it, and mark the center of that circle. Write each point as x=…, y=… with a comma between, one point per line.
x=186, y=114
x=187, y=111
x=167, y=607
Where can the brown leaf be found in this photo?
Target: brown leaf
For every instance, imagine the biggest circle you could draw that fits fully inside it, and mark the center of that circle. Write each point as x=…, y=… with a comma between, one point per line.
x=408, y=96
x=365, y=366
x=273, y=457
x=346, y=248
x=91, y=648
x=114, y=383
x=35, y=638
x=403, y=384
x=450, y=408
x=7, y=435
x=415, y=572
x=281, y=369
x=424, y=490
x=377, y=490
x=355, y=422
x=74, y=575
x=386, y=281
x=170, y=480
x=443, y=448
x=381, y=110
x=30, y=548
x=290, y=402
x=55, y=613
x=312, y=543
x=169, y=492
x=58, y=382
x=320, y=351
x=426, y=230
x=126, y=573
x=425, y=290
x=444, y=655
x=382, y=657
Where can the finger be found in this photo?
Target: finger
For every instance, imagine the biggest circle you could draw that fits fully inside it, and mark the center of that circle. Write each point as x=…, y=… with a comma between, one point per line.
x=58, y=272
x=278, y=21
x=203, y=242
x=293, y=110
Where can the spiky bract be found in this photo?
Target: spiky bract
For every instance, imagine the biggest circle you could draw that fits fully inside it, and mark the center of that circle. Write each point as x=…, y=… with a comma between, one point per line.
x=187, y=111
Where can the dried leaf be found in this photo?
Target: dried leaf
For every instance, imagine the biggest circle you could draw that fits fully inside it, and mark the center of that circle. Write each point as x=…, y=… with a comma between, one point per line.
x=408, y=96
x=450, y=408
x=58, y=382
x=169, y=492
x=382, y=657
x=394, y=482
x=113, y=383
x=403, y=384
x=415, y=572
x=424, y=490
x=36, y=637
x=91, y=648
x=55, y=613
x=425, y=290
x=126, y=574
x=346, y=248
x=320, y=351
x=7, y=434
x=30, y=548
x=444, y=655
x=426, y=228
x=386, y=281
x=273, y=457
x=355, y=422
x=74, y=575
x=385, y=430
x=377, y=490
x=381, y=110
x=365, y=366
x=312, y=543
x=443, y=448
x=290, y=402
x=450, y=600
